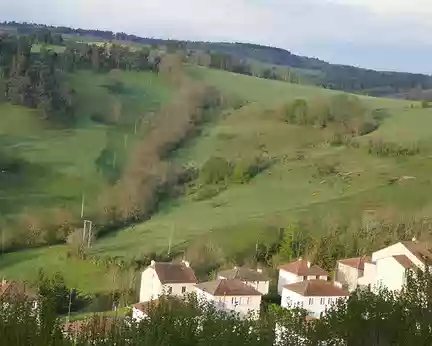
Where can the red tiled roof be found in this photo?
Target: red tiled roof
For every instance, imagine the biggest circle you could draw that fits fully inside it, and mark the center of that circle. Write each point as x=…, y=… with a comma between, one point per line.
x=227, y=287
x=317, y=288
x=15, y=288
x=357, y=262
x=147, y=306
x=244, y=274
x=421, y=250
x=404, y=261
x=175, y=273
x=301, y=268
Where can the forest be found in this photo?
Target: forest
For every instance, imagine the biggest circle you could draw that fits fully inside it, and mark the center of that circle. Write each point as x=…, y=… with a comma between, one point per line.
x=237, y=57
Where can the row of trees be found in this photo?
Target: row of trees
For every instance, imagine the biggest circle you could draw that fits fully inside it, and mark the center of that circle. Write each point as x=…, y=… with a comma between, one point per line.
x=365, y=319
x=346, y=113
x=34, y=80
x=148, y=177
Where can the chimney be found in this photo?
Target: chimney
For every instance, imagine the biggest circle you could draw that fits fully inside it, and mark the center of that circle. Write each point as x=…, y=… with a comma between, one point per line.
x=152, y=263
x=259, y=270
x=308, y=264
x=186, y=263
x=414, y=239
x=337, y=284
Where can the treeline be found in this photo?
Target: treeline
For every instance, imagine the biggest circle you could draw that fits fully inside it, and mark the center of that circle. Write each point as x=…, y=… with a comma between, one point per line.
x=236, y=57
x=39, y=80
x=365, y=319
x=150, y=176
x=34, y=81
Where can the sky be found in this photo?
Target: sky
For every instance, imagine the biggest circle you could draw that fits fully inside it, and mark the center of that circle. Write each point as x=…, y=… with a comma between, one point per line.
x=379, y=34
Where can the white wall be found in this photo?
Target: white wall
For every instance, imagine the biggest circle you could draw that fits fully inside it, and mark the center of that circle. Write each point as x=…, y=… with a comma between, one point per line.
x=239, y=304
x=286, y=278
x=138, y=315
x=348, y=275
x=152, y=288
x=393, y=250
x=314, y=305
x=389, y=273
x=369, y=275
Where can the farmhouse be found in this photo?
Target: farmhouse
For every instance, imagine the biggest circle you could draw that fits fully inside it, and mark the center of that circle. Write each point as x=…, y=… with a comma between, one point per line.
x=230, y=295
x=349, y=270
x=172, y=279
x=389, y=266
x=254, y=278
x=315, y=296
x=298, y=271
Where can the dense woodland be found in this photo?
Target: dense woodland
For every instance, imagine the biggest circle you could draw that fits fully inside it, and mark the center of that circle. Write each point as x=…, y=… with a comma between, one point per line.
x=238, y=57
x=365, y=319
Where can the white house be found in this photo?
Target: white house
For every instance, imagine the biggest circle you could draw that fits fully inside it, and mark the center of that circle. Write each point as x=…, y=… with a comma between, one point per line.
x=389, y=266
x=300, y=270
x=315, y=296
x=230, y=295
x=254, y=278
x=349, y=270
x=174, y=279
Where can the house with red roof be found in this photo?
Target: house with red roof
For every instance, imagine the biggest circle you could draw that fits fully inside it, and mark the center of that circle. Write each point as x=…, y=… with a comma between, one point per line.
x=389, y=267
x=315, y=296
x=231, y=295
x=298, y=271
x=166, y=278
x=350, y=270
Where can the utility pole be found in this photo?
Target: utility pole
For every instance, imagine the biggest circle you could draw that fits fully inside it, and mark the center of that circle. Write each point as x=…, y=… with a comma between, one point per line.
x=70, y=304
x=82, y=205
x=170, y=239
x=125, y=140
x=114, y=159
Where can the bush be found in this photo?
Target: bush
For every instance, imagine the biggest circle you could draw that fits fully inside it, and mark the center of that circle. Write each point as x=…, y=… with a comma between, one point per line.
x=245, y=170
x=389, y=149
x=215, y=170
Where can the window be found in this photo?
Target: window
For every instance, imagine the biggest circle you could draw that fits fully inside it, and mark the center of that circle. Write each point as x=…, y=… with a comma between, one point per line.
x=322, y=301
x=235, y=301
x=183, y=289
x=304, y=278
x=311, y=301
x=301, y=305
x=169, y=289
x=330, y=301
x=248, y=300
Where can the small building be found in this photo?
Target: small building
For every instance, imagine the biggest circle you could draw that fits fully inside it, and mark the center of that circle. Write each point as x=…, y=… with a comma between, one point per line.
x=315, y=296
x=172, y=279
x=19, y=290
x=298, y=271
x=349, y=270
x=389, y=266
x=254, y=278
x=231, y=295
x=141, y=311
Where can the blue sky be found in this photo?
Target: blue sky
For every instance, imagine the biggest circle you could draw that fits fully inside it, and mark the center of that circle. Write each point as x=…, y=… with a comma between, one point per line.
x=380, y=34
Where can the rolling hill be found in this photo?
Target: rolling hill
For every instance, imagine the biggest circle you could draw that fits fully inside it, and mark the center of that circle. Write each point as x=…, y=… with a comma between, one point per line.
x=243, y=214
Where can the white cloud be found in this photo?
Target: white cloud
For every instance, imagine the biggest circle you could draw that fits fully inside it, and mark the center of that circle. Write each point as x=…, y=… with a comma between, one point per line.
x=310, y=27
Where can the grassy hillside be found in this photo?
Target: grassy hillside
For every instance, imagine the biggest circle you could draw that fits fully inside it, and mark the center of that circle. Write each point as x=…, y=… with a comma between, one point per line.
x=62, y=164
x=289, y=190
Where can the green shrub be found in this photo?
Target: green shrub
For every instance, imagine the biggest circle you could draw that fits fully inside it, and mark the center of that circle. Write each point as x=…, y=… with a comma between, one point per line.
x=215, y=170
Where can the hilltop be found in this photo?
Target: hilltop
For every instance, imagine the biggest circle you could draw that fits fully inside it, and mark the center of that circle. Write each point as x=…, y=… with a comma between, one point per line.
x=262, y=61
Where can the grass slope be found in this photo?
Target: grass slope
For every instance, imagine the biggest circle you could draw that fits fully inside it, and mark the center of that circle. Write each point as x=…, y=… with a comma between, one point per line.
x=240, y=216
x=64, y=162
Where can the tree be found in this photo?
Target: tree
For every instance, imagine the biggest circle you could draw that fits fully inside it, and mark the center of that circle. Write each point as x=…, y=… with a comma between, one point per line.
x=215, y=170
